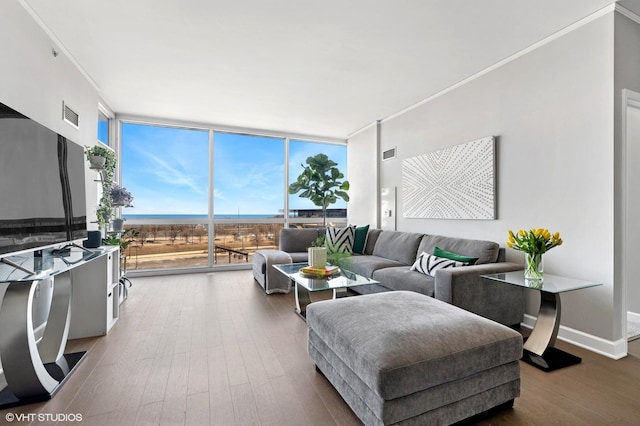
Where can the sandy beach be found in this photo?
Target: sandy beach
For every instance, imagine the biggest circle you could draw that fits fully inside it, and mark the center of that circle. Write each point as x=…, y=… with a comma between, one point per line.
x=175, y=246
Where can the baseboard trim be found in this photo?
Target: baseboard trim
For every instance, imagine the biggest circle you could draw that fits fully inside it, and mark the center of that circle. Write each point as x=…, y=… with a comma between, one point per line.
x=611, y=349
x=632, y=316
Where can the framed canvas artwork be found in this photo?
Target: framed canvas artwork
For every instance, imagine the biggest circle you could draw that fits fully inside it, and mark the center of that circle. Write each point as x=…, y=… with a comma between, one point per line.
x=453, y=183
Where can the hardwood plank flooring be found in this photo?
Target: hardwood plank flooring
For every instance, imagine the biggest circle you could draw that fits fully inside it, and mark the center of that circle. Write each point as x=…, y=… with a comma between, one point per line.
x=213, y=349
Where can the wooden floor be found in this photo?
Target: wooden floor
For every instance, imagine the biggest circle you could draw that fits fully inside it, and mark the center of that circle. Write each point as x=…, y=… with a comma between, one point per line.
x=214, y=349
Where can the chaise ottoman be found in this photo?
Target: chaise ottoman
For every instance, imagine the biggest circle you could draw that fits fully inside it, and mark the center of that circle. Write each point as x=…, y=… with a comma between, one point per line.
x=268, y=277
x=405, y=358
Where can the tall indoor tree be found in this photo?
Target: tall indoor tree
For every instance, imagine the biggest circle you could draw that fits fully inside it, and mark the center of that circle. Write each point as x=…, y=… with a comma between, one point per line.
x=321, y=182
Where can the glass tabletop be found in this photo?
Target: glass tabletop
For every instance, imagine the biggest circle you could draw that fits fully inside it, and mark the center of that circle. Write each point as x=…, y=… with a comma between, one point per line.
x=345, y=279
x=550, y=283
x=28, y=266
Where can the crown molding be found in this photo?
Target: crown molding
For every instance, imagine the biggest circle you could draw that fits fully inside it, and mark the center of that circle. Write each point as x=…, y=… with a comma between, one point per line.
x=566, y=30
x=362, y=129
x=58, y=44
x=626, y=12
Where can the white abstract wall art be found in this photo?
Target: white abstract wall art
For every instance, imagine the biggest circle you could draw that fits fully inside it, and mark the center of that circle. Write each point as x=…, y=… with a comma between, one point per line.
x=452, y=183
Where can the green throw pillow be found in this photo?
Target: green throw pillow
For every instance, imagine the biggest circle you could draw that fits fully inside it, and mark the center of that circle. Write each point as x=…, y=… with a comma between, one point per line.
x=360, y=239
x=454, y=256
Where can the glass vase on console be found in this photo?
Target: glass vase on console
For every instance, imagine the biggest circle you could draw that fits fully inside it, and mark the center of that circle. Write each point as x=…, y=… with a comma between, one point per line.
x=533, y=272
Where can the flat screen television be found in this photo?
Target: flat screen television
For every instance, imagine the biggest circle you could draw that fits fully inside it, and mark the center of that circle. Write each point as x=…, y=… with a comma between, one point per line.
x=42, y=185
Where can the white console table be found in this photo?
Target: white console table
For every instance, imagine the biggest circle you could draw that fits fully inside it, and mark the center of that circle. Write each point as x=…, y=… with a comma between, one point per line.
x=34, y=371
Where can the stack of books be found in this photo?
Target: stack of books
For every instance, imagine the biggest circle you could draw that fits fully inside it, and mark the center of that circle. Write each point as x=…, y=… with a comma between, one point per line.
x=326, y=272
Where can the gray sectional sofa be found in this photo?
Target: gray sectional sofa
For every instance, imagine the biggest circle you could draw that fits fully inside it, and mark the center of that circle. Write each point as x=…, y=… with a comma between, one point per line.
x=389, y=255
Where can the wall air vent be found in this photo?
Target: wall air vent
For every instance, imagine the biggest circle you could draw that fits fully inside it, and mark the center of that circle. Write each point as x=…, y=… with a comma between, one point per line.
x=388, y=154
x=70, y=116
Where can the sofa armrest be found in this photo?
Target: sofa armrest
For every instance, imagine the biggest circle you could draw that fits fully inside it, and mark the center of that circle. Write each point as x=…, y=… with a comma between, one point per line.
x=463, y=287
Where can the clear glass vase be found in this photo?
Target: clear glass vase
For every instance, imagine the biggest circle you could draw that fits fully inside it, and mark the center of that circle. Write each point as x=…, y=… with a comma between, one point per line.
x=533, y=271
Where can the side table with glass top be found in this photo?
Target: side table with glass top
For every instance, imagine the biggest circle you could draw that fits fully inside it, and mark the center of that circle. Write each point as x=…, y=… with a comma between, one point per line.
x=539, y=349
x=305, y=284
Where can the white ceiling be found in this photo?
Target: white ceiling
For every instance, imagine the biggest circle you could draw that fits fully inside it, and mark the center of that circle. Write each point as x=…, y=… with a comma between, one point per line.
x=312, y=67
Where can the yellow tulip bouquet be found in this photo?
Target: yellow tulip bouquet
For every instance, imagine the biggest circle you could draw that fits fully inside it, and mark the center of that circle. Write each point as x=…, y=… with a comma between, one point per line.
x=534, y=243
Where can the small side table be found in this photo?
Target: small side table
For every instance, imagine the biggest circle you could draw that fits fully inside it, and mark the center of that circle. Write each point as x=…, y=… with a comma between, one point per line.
x=539, y=349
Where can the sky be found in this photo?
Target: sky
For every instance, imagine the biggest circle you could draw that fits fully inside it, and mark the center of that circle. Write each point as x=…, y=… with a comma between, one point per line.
x=166, y=170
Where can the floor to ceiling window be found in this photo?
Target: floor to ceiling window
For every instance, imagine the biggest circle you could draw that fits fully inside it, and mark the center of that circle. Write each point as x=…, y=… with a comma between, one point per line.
x=204, y=197
x=167, y=171
x=248, y=200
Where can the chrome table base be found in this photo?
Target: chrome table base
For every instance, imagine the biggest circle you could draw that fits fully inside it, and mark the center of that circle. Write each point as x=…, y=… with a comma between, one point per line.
x=34, y=372
x=303, y=298
x=538, y=349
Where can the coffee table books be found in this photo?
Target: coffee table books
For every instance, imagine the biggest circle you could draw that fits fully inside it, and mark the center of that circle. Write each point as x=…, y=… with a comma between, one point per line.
x=326, y=272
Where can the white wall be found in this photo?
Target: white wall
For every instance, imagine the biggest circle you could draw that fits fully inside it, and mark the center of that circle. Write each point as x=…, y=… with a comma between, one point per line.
x=35, y=83
x=363, y=177
x=551, y=111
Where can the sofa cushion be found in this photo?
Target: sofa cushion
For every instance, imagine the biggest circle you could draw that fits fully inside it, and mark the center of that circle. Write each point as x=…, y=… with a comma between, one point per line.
x=403, y=278
x=298, y=240
x=485, y=251
x=398, y=246
x=365, y=265
x=299, y=257
x=428, y=264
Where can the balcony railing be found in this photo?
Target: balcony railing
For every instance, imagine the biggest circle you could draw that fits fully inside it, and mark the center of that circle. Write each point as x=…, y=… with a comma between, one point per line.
x=167, y=243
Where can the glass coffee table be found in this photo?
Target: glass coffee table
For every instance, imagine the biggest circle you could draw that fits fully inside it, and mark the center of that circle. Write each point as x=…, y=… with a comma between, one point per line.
x=539, y=349
x=305, y=285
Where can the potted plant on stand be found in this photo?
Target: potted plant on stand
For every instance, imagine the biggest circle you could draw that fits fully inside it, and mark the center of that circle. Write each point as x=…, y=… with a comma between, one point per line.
x=120, y=197
x=321, y=182
x=100, y=157
x=106, y=169
x=104, y=213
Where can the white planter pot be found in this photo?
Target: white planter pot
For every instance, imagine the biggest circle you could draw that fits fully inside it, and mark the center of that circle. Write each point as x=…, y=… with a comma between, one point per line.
x=317, y=257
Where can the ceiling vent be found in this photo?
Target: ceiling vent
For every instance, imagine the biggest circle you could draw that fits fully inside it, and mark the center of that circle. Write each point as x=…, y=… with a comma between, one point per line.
x=70, y=116
x=388, y=154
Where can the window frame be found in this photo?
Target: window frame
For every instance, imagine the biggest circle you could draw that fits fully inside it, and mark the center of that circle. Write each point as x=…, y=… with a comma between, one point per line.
x=211, y=221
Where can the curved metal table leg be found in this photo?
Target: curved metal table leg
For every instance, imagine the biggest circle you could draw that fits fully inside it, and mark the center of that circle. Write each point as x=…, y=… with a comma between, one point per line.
x=303, y=298
x=539, y=347
x=34, y=372
x=545, y=330
x=54, y=340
